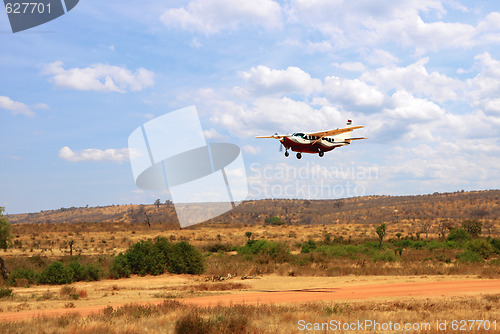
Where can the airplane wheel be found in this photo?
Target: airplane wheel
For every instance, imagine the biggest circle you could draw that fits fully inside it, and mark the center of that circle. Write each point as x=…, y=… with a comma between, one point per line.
x=299, y=155
x=287, y=154
x=321, y=153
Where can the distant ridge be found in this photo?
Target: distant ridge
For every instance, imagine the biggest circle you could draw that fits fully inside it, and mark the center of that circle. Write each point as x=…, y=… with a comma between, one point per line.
x=457, y=206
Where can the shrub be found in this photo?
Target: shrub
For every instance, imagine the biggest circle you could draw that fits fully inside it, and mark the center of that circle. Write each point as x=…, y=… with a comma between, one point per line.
x=217, y=247
x=120, y=267
x=275, y=221
x=5, y=292
x=266, y=250
x=309, y=246
x=496, y=244
x=469, y=256
x=21, y=273
x=56, y=273
x=384, y=256
x=185, y=258
x=458, y=235
x=77, y=271
x=481, y=247
x=156, y=257
x=139, y=257
x=93, y=272
x=192, y=323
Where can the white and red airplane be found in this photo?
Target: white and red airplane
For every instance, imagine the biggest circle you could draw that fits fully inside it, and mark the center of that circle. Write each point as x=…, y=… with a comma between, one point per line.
x=316, y=142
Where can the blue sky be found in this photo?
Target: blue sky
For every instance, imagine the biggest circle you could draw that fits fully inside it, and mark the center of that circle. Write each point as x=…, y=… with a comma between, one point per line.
x=422, y=76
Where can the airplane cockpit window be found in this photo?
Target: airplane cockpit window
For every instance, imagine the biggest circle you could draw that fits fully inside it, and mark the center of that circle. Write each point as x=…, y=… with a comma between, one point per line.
x=298, y=134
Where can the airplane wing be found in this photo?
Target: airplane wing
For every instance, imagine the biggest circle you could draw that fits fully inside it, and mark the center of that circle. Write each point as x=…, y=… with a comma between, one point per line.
x=322, y=134
x=334, y=132
x=358, y=138
x=276, y=136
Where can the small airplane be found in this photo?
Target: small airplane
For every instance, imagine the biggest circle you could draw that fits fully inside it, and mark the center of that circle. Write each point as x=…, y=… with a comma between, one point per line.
x=315, y=142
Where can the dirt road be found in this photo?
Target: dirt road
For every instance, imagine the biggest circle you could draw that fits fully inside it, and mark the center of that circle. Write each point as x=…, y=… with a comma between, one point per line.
x=366, y=291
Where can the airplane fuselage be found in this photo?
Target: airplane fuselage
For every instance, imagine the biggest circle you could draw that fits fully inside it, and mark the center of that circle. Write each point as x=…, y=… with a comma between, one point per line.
x=310, y=144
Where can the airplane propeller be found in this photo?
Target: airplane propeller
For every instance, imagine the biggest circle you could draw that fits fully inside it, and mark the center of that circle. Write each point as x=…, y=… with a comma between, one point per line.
x=281, y=145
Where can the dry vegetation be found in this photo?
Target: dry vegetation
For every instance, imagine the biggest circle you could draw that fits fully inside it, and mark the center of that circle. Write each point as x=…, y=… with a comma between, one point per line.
x=172, y=316
x=343, y=230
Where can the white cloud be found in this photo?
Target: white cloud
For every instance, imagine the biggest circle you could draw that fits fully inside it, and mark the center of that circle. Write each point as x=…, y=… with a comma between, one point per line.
x=352, y=92
x=99, y=77
x=368, y=23
x=251, y=149
x=351, y=66
x=263, y=80
x=41, y=106
x=268, y=115
x=214, y=16
x=213, y=134
x=92, y=154
x=413, y=109
x=415, y=78
x=15, y=107
x=381, y=58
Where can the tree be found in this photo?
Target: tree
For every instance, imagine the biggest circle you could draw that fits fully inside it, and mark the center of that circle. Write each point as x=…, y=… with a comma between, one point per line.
x=5, y=235
x=381, y=234
x=157, y=203
x=444, y=227
x=248, y=235
x=473, y=227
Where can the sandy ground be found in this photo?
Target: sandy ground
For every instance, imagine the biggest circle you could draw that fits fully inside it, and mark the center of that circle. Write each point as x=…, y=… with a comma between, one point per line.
x=268, y=289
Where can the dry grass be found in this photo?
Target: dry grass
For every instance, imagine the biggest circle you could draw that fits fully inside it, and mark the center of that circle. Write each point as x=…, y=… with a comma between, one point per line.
x=174, y=317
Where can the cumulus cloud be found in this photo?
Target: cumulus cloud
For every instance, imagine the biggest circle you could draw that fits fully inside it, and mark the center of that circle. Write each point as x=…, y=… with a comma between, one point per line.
x=268, y=115
x=365, y=23
x=15, y=107
x=99, y=77
x=92, y=154
x=214, y=16
x=264, y=80
x=354, y=93
x=415, y=78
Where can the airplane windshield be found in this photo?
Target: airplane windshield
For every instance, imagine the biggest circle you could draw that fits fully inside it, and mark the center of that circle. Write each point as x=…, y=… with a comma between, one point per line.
x=298, y=134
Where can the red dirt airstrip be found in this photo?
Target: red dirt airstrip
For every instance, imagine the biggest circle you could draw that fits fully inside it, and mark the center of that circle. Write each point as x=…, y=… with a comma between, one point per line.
x=380, y=291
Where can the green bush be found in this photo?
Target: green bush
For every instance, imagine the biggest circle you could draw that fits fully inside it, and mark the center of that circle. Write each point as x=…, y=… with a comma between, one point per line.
x=459, y=235
x=56, y=273
x=120, y=267
x=93, y=272
x=469, y=256
x=77, y=271
x=266, y=250
x=5, y=292
x=275, y=221
x=496, y=244
x=385, y=256
x=309, y=246
x=481, y=247
x=185, y=258
x=156, y=257
x=22, y=273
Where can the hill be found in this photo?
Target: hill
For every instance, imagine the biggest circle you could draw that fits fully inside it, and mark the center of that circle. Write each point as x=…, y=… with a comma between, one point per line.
x=418, y=211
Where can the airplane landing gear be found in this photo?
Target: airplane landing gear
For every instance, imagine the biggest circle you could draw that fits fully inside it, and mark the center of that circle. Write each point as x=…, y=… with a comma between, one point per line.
x=287, y=154
x=299, y=155
x=321, y=153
